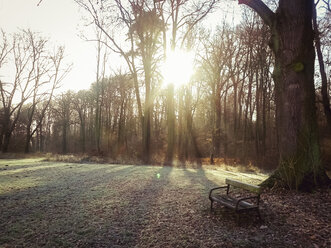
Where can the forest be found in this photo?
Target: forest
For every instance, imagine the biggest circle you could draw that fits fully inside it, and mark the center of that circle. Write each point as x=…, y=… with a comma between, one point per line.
x=226, y=110
x=187, y=96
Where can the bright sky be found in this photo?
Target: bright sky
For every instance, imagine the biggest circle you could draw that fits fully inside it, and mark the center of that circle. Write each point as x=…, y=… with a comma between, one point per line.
x=60, y=20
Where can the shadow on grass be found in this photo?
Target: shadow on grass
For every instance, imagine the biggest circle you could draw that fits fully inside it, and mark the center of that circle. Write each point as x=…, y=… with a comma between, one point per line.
x=51, y=214
x=133, y=212
x=14, y=164
x=17, y=180
x=92, y=206
x=198, y=177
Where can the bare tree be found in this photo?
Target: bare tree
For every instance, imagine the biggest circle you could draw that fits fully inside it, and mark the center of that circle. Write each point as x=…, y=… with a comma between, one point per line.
x=181, y=17
x=128, y=20
x=48, y=75
x=146, y=30
x=63, y=110
x=26, y=51
x=324, y=80
x=292, y=44
x=102, y=56
x=81, y=106
x=218, y=52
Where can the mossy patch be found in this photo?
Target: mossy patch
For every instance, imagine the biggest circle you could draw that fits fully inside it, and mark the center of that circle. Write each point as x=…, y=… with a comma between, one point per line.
x=298, y=66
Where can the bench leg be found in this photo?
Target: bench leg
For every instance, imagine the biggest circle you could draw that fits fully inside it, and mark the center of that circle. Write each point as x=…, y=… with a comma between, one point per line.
x=258, y=214
x=211, y=205
x=238, y=218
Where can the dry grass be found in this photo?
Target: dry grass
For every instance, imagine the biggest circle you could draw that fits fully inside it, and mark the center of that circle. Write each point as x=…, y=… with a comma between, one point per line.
x=61, y=204
x=228, y=164
x=86, y=158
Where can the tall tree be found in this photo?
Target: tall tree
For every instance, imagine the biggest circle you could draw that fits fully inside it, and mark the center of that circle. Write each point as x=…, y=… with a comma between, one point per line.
x=24, y=53
x=324, y=80
x=81, y=106
x=181, y=16
x=140, y=23
x=102, y=57
x=147, y=29
x=292, y=44
x=63, y=111
x=219, y=51
x=43, y=90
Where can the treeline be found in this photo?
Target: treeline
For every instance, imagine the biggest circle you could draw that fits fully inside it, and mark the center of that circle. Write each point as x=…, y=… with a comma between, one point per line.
x=226, y=111
x=26, y=94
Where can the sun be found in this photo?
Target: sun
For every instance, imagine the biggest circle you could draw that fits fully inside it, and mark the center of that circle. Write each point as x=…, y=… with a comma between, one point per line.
x=178, y=68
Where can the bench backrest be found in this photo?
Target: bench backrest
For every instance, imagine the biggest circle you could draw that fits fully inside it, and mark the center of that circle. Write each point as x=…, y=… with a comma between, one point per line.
x=238, y=184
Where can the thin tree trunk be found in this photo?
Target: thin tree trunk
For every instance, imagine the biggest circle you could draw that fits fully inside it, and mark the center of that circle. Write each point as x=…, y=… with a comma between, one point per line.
x=64, y=137
x=218, y=119
x=41, y=138
x=147, y=114
x=257, y=121
x=6, y=141
x=324, y=91
x=171, y=124
x=27, y=139
x=225, y=121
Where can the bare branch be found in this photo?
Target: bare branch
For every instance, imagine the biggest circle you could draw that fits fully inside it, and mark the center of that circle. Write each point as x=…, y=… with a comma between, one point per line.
x=39, y=2
x=261, y=9
x=327, y=5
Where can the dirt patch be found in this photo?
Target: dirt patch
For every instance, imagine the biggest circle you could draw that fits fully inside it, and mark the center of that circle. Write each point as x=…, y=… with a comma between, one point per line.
x=47, y=204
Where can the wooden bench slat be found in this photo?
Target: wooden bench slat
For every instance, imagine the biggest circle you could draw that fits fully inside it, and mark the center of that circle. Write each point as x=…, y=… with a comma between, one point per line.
x=249, y=187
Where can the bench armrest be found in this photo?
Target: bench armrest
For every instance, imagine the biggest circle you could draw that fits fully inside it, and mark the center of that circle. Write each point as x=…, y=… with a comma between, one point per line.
x=248, y=198
x=222, y=187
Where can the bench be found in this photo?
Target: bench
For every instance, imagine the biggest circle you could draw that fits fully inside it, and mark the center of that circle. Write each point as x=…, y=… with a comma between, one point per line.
x=248, y=200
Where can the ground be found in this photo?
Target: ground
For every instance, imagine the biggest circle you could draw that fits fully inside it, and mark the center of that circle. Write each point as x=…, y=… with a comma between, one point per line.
x=52, y=204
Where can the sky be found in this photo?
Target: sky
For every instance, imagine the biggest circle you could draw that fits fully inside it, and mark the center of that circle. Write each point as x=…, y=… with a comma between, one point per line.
x=61, y=22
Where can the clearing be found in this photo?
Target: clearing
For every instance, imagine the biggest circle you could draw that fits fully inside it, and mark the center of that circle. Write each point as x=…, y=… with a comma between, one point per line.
x=51, y=204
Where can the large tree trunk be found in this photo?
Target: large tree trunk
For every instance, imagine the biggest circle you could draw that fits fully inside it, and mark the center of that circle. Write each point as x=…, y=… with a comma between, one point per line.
x=292, y=43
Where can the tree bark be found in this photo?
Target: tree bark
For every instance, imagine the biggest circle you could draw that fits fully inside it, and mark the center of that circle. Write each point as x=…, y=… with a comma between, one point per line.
x=292, y=44
x=218, y=113
x=171, y=125
x=27, y=138
x=6, y=141
x=64, y=137
x=147, y=114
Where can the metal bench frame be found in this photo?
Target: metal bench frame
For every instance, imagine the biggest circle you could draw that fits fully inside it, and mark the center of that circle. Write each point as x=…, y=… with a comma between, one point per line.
x=237, y=204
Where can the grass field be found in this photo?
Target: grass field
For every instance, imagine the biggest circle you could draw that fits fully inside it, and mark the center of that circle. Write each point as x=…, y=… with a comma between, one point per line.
x=51, y=204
